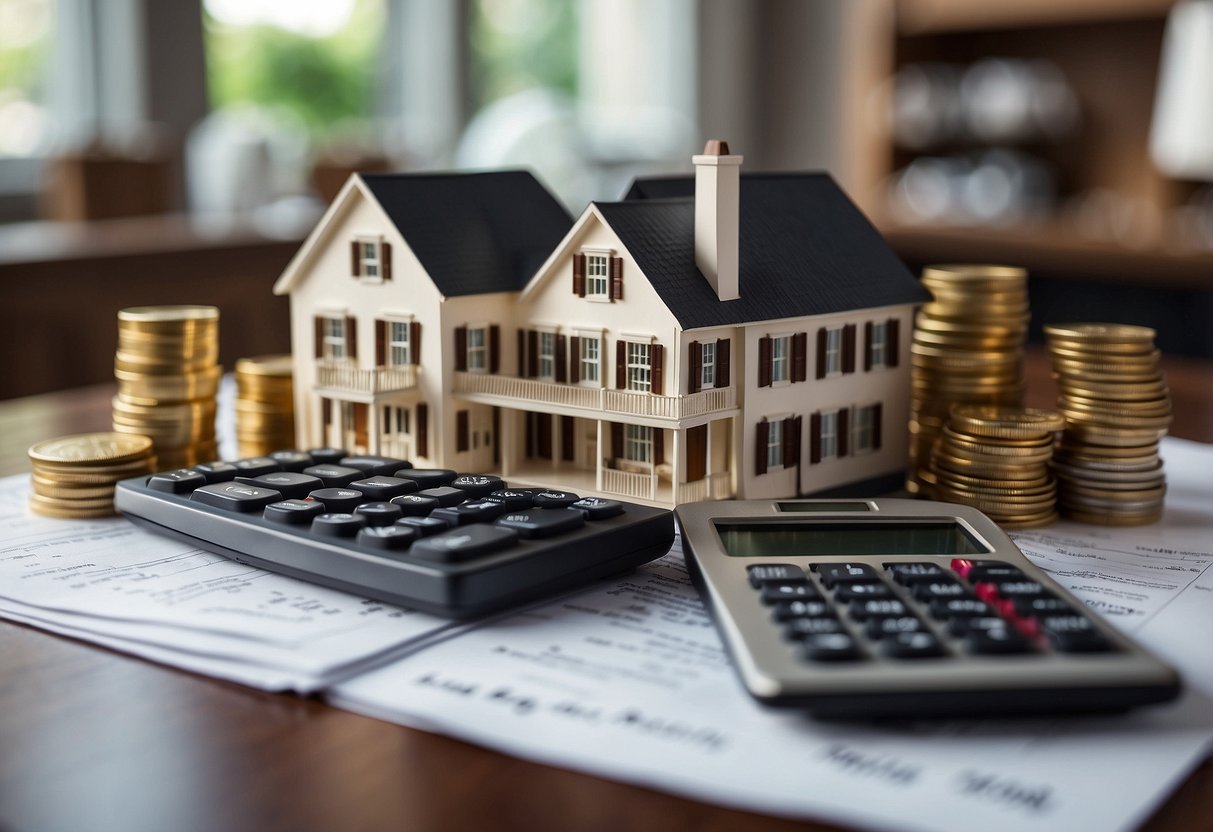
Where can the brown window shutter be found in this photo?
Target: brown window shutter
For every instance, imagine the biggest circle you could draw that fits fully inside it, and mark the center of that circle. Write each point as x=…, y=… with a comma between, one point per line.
x=381, y=343
x=579, y=275
x=621, y=365
x=415, y=341
x=722, y=362
x=532, y=353
x=867, y=346
x=616, y=278
x=848, y=348
x=764, y=361
x=877, y=413
x=568, y=439
x=319, y=321
x=385, y=262
x=355, y=260
x=892, y=340
x=562, y=359
x=423, y=429
x=658, y=446
x=821, y=352
x=762, y=435
x=695, y=373
x=461, y=348
x=794, y=428
x=351, y=337
x=844, y=431
x=656, y=369
x=788, y=451
x=616, y=440
x=574, y=359
x=326, y=412
x=800, y=356
x=521, y=353
x=461, y=431
x=494, y=348
x=815, y=438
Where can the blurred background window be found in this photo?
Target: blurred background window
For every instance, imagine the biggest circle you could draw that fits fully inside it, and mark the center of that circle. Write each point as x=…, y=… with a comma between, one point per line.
x=520, y=44
x=26, y=28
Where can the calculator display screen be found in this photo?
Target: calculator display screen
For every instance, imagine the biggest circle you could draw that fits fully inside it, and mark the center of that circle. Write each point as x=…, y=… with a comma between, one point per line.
x=765, y=540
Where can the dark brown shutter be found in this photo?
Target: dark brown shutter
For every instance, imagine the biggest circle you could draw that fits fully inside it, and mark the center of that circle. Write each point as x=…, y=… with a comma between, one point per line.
x=621, y=365
x=656, y=369
x=616, y=278
x=764, y=361
x=381, y=343
x=562, y=359
x=762, y=435
x=697, y=453
x=423, y=429
x=326, y=414
x=461, y=431
x=722, y=362
x=791, y=441
x=800, y=356
x=848, y=348
x=616, y=440
x=532, y=353
x=496, y=437
x=319, y=336
x=695, y=373
x=385, y=264
x=579, y=275
x=796, y=426
x=494, y=348
x=415, y=341
x=815, y=438
x=521, y=353
x=821, y=352
x=844, y=431
x=877, y=413
x=658, y=446
x=892, y=337
x=351, y=336
x=867, y=346
x=567, y=438
x=461, y=348
x=574, y=359
x=355, y=260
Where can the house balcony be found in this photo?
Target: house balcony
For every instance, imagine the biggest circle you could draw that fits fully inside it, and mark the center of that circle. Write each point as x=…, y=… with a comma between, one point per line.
x=348, y=379
x=590, y=402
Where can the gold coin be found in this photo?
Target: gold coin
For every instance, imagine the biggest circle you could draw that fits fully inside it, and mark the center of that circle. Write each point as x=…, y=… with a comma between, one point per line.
x=168, y=314
x=1005, y=422
x=43, y=501
x=90, y=448
x=1046, y=520
x=1100, y=332
x=966, y=481
x=72, y=513
x=975, y=273
x=56, y=490
x=1104, y=518
x=266, y=365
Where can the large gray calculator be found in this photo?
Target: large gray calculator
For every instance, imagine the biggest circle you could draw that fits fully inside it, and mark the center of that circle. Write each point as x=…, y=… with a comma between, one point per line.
x=899, y=608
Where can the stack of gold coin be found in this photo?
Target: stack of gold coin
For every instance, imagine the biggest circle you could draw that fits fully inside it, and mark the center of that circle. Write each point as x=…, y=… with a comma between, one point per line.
x=1117, y=408
x=74, y=476
x=996, y=459
x=167, y=380
x=265, y=405
x=967, y=349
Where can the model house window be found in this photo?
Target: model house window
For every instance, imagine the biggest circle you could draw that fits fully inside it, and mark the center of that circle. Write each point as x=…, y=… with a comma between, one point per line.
x=638, y=443
x=781, y=359
x=833, y=351
x=836, y=350
x=707, y=357
x=863, y=429
x=828, y=443
x=547, y=355
x=589, y=360
x=598, y=275
x=371, y=259
x=638, y=367
x=709, y=364
x=774, y=449
x=597, y=278
x=334, y=348
x=880, y=338
x=478, y=350
x=400, y=348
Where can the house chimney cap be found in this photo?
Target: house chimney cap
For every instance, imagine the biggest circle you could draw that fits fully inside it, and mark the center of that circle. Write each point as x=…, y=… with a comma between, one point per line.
x=716, y=147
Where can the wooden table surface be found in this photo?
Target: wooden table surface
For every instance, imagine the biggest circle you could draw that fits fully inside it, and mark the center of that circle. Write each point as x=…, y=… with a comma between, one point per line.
x=95, y=740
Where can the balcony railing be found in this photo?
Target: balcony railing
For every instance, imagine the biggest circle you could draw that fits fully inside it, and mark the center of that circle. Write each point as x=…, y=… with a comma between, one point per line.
x=712, y=487
x=523, y=391
x=355, y=380
x=633, y=484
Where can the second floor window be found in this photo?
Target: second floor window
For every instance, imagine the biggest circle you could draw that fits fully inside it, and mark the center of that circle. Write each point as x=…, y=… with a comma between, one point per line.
x=707, y=358
x=833, y=351
x=781, y=354
x=400, y=348
x=477, y=350
x=334, y=339
x=370, y=260
x=878, y=343
x=590, y=360
x=597, y=276
x=547, y=355
x=639, y=369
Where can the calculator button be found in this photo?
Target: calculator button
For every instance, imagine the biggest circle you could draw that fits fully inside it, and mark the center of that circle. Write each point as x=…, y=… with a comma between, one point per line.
x=180, y=481
x=424, y=526
x=379, y=513
x=476, y=511
x=912, y=645
x=910, y=573
x=476, y=486
x=1073, y=634
x=995, y=573
x=293, y=512
x=338, y=499
x=543, y=522
x=963, y=625
x=256, y=466
x=799, y=628
x=374, y=466
x=934, y=590
x=217, y=471
x=945, y=609
x=597, y=508
x=847, y=593
x=235, y=496
x=761, y=572
x=427, y=477
x=786, y=610
x=774, y=591
x=832, y=574
x=334, y=476
x=514, y=499
x=291, y=486
x=415, y=505
x=326, y=456
x=393, y=538
x=549, y=498
x=997, y=641
x=292, y=460
x=337, y=524
x=1011, y=591
x=1041, y=606
x=831, y=647
x=877, y=608
x=878, y=628
x=464, y=543
x=384, y=488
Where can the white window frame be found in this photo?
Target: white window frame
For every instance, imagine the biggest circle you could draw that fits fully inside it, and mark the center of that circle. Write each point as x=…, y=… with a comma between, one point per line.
x=781, y=359
x=546, y=358
x=827, y=446
x=370, y=259
x=590, y=357
x=638, y=444
x=707, y=365
x=395, y=348
x=774, y=448
x=478, y=348
x=878, y=345
x=335, y=345
x=598, y=275
x=863, y=429
x=833, y=351
x=639, y=357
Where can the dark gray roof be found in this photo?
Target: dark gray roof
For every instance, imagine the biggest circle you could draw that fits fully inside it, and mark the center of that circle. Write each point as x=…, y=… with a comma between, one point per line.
x=805, y=249
x=473, y=232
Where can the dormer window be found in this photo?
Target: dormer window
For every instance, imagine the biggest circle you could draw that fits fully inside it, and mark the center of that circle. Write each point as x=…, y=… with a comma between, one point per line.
x=596, y=278
x=598, y=275
x=371, y=259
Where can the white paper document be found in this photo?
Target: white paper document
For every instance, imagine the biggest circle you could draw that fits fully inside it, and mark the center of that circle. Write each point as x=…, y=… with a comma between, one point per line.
x=629, y=681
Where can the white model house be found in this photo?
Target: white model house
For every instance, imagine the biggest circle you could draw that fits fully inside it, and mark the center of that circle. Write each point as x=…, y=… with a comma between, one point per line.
x=721, y=336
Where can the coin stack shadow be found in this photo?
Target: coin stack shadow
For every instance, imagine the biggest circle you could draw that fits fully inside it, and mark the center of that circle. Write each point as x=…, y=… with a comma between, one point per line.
x=168, y=375
x=1117, y=409
x=74, y=476
x=265, y=405
x=967, y=348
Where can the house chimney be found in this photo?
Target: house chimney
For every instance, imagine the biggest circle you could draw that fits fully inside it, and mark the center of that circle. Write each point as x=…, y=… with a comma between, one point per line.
x=717, y=204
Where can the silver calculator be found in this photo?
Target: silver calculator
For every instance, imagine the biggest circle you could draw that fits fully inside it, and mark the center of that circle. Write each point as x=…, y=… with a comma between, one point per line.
x=903, y=608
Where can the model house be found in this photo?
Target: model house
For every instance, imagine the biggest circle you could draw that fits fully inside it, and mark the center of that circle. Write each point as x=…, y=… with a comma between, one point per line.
x=708, y=337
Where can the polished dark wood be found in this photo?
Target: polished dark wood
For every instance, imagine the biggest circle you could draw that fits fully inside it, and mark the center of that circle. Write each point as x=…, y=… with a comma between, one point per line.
x=92, y=739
